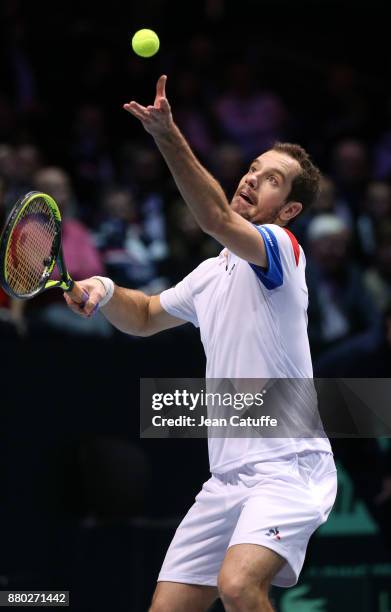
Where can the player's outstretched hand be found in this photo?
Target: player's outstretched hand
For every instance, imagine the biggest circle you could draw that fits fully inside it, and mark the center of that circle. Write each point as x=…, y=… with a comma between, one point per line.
x=95, y=292
x=156, y=119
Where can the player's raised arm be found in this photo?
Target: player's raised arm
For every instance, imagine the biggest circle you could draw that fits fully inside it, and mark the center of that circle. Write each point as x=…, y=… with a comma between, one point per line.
x=130, y=311
x=201, y=192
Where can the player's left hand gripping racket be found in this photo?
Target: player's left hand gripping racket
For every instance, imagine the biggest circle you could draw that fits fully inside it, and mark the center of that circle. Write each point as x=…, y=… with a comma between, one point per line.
x=30, y=246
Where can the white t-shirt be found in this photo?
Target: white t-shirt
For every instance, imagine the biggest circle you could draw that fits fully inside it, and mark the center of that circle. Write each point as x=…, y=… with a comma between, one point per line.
x=253, y=324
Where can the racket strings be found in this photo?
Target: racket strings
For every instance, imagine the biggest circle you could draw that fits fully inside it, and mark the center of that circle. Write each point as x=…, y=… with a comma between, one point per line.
x=30, y=249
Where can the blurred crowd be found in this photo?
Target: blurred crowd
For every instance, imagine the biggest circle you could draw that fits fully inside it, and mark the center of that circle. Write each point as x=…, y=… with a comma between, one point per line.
x=63, y=131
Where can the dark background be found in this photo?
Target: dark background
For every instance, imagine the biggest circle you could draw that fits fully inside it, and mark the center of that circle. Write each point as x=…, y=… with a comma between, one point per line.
x=85, y=503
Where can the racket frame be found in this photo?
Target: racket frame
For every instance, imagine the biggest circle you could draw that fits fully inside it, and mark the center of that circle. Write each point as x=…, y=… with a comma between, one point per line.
x=65, y=283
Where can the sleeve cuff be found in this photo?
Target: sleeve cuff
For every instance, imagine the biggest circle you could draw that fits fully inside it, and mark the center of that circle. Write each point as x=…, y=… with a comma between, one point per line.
x=271, y=277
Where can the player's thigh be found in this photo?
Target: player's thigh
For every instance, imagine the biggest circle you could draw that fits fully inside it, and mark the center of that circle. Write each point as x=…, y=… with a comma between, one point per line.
x=249, y=564
x=179, y=597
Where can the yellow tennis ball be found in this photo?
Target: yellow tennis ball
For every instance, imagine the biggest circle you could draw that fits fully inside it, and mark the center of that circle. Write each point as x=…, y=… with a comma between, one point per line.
x=145, y=43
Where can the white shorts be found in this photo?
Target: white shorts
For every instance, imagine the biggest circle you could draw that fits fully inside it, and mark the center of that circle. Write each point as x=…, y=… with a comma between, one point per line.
x=278, y=504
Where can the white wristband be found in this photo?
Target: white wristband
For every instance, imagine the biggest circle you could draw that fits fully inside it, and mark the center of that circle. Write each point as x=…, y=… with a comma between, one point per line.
x=109, y=288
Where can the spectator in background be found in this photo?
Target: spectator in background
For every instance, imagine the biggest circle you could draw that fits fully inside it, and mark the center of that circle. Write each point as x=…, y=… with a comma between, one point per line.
x=351, y=172
x=249, y=117
x=18, y=166
x=7, y=171
x=46, y=313
x=188, y=243
x=327, y=202
x=366, y=355
x=339, y=304
x=7, y=160
x=142, y=172
x=227, y=163
x=127, y=253
x=375, y=216
x=377, y=279
x=27, y=162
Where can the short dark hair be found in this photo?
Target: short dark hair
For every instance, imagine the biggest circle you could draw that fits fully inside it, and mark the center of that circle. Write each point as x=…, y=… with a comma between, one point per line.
x=306, y=185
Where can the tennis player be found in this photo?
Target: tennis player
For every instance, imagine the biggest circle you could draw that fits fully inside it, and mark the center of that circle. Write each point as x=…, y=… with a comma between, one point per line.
x=250, y=524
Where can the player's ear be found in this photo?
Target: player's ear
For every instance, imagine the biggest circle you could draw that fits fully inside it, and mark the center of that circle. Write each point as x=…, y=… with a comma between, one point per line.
x=291, y=210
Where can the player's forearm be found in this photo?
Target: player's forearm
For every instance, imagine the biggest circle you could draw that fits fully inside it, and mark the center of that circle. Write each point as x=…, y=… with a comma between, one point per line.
x=201, y=192
x=128, y=311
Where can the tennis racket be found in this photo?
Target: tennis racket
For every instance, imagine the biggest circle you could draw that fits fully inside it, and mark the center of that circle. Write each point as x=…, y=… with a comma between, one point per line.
x=30, y=247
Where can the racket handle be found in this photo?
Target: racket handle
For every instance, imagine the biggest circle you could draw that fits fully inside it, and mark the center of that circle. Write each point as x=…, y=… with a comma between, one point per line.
x=78, y=294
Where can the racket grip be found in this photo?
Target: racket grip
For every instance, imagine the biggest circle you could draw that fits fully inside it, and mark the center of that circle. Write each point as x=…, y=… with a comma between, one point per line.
x=78, y=294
